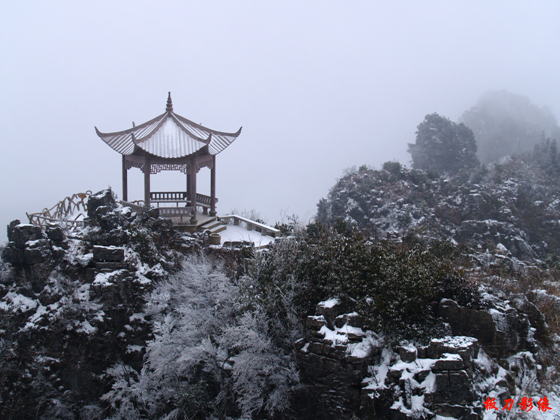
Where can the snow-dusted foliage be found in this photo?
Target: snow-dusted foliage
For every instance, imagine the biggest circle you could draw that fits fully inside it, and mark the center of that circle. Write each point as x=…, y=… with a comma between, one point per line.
x=396, y=287
x=189, y=311
x=208, y=358
x=442, y=145
x=263, y=373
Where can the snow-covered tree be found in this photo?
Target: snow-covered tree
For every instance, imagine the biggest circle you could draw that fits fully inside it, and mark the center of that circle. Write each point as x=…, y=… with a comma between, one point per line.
x=210, y=356
x=263, y=374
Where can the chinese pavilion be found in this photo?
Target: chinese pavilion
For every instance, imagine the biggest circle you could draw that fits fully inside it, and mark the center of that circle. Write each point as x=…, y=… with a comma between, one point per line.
x=171, y=142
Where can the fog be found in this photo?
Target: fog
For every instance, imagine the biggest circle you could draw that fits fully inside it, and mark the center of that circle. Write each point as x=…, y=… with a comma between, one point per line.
x=318, y=86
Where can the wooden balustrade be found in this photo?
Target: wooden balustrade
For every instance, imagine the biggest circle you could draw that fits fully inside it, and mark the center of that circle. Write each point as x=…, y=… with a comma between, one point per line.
x=180, y=197
x=166, y=196
x=175, y=211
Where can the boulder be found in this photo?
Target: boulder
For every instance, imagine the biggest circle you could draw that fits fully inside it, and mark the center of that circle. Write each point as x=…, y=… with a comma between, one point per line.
x=11, y=227
x=115, y=237
x=315, y=323
x=453, y=387
x=11, y=254
x=408, y=353
x=154, y=213
x=100, y=207
x=109, y=221
x=103, y=198
x=466, y=347
x=352, y=320
x=21, y=233
x=449, y=362
x=496, y=331
x=329, y=309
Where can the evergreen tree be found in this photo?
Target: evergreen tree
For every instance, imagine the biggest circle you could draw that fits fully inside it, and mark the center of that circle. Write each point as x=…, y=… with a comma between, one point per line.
x=443, y=146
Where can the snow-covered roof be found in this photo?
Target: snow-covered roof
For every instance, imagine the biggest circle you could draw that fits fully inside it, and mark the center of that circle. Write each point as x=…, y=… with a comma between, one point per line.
x=168, y=135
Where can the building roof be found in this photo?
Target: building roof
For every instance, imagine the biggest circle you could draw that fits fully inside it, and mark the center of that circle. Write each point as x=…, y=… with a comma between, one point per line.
x=168, y=136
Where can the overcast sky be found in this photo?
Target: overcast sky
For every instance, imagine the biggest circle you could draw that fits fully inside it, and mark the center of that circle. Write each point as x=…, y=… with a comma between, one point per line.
x=318, y=86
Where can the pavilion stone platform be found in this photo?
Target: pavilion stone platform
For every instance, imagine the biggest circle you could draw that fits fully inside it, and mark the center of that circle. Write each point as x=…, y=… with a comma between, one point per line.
x=232, y=229
x=203, y=222
x=184, y=223
x=170, y=142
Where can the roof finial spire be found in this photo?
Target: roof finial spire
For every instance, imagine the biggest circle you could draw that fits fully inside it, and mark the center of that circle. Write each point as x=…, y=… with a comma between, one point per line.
x=169, y=107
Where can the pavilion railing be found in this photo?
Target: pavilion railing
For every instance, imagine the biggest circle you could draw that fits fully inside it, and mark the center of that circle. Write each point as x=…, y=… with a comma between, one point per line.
x=69, y=211
x=180, y=197
x=73, y=209
x=168, y=196
x=180, y=215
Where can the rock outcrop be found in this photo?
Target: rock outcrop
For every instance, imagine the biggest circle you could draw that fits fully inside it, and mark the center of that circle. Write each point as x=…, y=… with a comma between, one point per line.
x=509, y=208
x=333, y=362
x=346, y=371
x=501, y=331
x=69, y=307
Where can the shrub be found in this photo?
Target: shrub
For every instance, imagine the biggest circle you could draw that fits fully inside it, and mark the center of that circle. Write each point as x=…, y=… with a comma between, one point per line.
x=396, y=286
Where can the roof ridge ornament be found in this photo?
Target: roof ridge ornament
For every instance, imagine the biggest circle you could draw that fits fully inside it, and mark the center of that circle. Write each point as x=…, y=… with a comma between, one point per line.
x=169, y=107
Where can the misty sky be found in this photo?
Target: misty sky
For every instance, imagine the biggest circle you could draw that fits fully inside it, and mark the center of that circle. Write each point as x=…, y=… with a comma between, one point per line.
x=318, y=86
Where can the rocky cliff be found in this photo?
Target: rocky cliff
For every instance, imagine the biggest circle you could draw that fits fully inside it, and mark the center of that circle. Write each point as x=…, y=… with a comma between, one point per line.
x=70, y=304
x=117, y=320
x=510, y=208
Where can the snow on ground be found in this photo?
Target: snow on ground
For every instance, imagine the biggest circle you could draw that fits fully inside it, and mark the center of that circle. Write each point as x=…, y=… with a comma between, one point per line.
x=329, y=303
x=239, y=234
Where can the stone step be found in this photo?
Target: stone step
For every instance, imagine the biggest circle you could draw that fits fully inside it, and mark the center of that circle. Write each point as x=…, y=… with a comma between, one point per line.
x=219, y=229
x=206, y=222
x=213, y=225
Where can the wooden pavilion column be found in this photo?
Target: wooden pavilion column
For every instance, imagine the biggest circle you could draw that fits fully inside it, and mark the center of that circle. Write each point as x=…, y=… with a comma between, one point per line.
x=193, y=168
x=147, y=170
x=188, y=184
x=213, y=187
x=124, y=179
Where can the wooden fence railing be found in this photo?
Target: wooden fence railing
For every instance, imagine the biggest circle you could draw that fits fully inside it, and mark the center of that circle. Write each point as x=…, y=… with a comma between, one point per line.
x=71, y=211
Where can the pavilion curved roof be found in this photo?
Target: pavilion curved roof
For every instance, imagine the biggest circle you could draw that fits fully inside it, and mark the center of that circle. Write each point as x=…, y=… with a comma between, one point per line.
x=168, y=135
